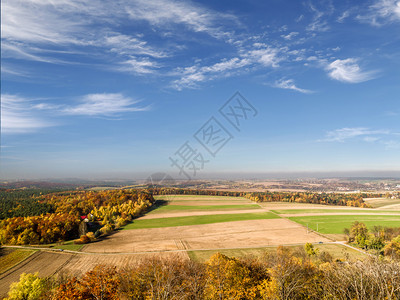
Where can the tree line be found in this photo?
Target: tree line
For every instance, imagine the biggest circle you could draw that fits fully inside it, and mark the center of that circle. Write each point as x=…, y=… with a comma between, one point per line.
x=104, y=210
x=302, y=273
x=342, y=199
x=352, y=199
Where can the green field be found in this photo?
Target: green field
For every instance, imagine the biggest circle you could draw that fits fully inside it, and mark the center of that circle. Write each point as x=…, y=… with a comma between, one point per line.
x=69, y=245
x=102, y=188
x=199, y=197
x=197, y=220
x=336, y=224
x=11, y=257
x=173, y=208
x=325, y=211
x=337, y=252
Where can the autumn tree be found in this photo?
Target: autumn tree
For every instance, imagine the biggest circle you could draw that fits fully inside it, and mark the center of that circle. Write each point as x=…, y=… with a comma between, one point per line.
x=359, y=233
x=229, y=278
x=310, y=250
x=291, y=276
x=100, y=283
x=29, y=287
x=392, y=249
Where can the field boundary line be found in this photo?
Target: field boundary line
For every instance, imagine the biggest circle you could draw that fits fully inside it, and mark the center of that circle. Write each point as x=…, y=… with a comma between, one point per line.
x=20, y=264
x=13, y=266
x=205, y=249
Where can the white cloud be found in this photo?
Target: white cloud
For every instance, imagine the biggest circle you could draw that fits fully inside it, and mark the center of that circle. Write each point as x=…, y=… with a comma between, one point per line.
x=347, y=70
x=371, y=139
x=196, y=74
x=195, y=17
x=392, y=144
x=343, y=134
x=191, y=76
x=290, y=85
x=138, y=66
x=35, y=29
x=21, y=115
x=103, y=104
x=24, y=21
x=382, y=12
x=18, y=117
x=9, y=69
x=319, y=23
x=290, y=35
x=126, y=45
x=267, y=56
x=343, y=16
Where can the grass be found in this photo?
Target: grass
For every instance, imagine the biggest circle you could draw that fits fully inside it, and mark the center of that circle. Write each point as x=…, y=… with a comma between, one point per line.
x=198, y=197
x=197, y=220
x=13, y=257
x=337, y=252
x=336, y=224
x=69, y=245
x=173, y=208
x=324, y=211
x=102, y=188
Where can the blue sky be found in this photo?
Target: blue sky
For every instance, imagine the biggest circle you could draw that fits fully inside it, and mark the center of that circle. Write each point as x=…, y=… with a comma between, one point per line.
x=114, y=89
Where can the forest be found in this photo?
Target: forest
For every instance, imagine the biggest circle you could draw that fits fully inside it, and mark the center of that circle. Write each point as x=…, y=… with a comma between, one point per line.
x=287, y=273
x=23, y=202
x=104, y=211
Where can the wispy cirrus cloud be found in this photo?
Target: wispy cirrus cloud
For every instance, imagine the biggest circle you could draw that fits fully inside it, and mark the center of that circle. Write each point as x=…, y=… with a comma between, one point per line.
x=319, y=22
x=348, y=70
x=106, y=104
x=95, y=24
x=139, y=66
x=24, y=115
x=290, y=36
x=382, y=12
x=123, y=44
x=388, y=139
x=349, y=133
x=195, y=74
x=288, y=84
x=162, y=13
x=260, y=56
x=17, y=117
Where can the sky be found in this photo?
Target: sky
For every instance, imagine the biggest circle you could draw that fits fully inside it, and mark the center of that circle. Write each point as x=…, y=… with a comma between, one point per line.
x=128, y=88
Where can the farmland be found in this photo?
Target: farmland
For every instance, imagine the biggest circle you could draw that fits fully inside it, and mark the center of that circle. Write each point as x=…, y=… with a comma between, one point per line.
x=336, y=224
x=11, y=257
x=383, y=203
x=197, y=220
x=195, y=227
